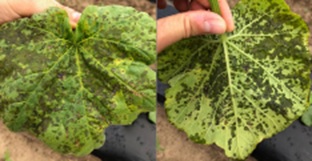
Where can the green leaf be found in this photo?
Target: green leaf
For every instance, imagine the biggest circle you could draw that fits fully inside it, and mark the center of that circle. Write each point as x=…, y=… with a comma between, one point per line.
x=7, y=156
x=66, y=86
x=152, y=116
x=307, y=116
x=239, y=88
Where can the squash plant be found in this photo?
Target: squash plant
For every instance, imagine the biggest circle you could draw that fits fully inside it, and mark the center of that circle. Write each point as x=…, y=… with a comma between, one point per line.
x=239, y=88
x=66, y=86
x=307, y=116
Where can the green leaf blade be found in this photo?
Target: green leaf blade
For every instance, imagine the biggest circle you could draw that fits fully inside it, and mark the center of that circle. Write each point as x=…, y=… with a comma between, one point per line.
x=307, y=116
x=116, y=32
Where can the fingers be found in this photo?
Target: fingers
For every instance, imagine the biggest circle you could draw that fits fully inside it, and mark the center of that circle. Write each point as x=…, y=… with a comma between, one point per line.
x=161, y=4
x=24, y=8
x=204, y=5
x=199, y=4
x=73, y=15
x=174, y=28
x=181, y=5
x=30, y=7
x=74, y=18
x=227, y=15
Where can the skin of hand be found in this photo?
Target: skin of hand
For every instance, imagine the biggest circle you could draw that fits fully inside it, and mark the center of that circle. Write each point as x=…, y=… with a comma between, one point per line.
x=194, y=19
x=14, y=9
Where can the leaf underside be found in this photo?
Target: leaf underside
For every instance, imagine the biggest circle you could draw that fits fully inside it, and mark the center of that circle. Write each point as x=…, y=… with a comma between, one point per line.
x=66, y=86
x=239, y=88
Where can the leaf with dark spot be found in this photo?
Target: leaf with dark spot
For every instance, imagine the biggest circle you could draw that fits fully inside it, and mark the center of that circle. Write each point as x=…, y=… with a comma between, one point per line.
x=66, y=86
x=239, y=88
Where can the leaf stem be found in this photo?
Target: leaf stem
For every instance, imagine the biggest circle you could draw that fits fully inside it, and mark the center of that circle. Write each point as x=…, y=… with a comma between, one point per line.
x=215, y=6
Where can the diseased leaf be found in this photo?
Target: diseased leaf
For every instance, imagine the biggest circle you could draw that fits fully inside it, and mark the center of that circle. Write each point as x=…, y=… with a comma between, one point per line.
x=67, y=86
x=239, y=88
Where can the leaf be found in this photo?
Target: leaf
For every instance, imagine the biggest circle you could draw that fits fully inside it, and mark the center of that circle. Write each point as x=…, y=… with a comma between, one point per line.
x=239, y=88
x=307, y=116
x=66, y=86
x=7, y=156
x=152, y=116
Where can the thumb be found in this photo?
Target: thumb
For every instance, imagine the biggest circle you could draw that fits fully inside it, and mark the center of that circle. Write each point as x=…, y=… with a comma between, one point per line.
x=40, y=6
x=183, y=25
x=73, y=15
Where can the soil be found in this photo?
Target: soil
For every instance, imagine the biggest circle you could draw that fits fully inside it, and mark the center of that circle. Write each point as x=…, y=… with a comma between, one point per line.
x=24, y=147
x=304, y=9
x=174, y=144
x=141, y=5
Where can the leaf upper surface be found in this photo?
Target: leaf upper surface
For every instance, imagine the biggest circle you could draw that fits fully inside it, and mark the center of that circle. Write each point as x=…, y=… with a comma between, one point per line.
x=241, y=87
x=67, y=86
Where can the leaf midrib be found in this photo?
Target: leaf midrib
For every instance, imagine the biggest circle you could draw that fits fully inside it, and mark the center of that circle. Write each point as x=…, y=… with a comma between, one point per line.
x=228, y=69
x=183, y=112
x=105, y=40
x=117, y=77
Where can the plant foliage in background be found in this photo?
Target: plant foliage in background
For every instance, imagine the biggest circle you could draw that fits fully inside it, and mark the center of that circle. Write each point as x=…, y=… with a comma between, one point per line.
x=7, y=156
x=66, y=86
x=239, y=88
x=307, y=116
x=152, y=116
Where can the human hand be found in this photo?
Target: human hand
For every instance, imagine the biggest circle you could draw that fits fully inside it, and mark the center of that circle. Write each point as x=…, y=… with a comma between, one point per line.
x=194, y=20
x=14, y=9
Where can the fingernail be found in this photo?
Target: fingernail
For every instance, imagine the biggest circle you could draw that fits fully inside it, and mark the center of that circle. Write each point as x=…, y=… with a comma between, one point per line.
x=76, y=16
x=207, y=26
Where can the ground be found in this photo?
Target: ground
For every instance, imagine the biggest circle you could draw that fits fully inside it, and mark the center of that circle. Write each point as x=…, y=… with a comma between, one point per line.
x=24, y=147
x=174, y=144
